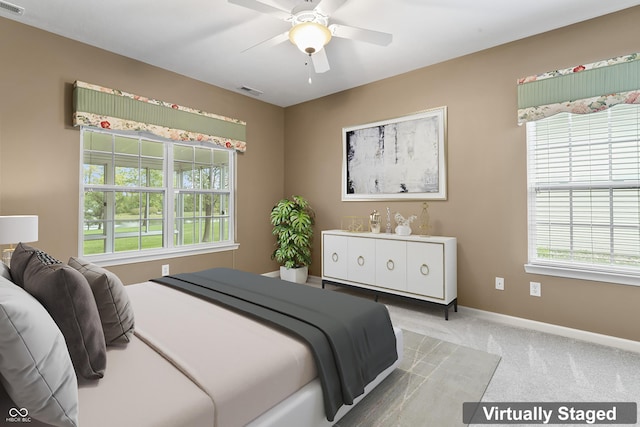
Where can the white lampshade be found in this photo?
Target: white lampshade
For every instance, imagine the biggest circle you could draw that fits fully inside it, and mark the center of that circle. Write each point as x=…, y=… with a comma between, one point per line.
x=18, y=228
x=310, y=37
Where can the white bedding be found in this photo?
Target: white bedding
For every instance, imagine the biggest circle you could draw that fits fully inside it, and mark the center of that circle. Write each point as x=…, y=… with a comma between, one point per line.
x=245, y=366
x=142, y=389
x=305, y=407
x=193, y=363
x=256, y=374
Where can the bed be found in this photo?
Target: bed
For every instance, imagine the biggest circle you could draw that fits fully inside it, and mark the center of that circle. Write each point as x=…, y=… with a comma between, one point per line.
x=193, y=362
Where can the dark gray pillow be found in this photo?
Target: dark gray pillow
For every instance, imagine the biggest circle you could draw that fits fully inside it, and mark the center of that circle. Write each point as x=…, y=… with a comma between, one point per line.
x=19, y=260
x=67, y=296
x=116, y=312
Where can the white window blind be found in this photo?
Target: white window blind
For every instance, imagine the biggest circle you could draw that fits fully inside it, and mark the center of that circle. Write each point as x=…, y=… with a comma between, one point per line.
x=584, y=192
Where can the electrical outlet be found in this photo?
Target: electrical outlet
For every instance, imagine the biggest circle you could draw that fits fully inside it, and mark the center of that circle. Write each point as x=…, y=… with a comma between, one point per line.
x=500, y=283
x=165, y=269
x=535, y=289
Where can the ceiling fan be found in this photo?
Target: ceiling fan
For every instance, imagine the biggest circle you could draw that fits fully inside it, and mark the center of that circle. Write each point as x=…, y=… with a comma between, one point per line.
x=310, y=29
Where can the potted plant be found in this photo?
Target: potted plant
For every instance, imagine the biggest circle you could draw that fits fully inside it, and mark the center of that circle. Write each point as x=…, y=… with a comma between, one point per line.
x=293, y=221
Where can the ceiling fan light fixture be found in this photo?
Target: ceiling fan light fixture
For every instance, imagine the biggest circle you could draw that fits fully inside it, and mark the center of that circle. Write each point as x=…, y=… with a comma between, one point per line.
x=310, y=37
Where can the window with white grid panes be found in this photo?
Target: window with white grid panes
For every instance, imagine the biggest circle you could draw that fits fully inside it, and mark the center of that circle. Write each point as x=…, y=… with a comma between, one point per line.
x=142, y=195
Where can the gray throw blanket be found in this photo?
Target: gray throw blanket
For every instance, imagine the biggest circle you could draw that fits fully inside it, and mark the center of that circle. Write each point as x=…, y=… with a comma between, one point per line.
x=351, y=338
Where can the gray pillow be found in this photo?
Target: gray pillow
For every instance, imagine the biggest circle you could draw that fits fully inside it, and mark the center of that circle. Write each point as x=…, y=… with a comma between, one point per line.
x=35, y=367
x=116, y=312
x=67, y=296
x=19, y=261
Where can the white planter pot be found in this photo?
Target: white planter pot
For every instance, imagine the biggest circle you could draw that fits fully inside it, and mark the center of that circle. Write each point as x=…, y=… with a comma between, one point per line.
x=297, y=275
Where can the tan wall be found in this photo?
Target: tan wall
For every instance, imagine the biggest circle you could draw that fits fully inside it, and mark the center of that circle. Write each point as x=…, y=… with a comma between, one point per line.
x=39, y=149
x=487, y=206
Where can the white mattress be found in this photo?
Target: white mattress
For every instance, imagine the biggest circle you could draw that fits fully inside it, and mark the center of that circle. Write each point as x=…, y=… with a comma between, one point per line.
x=245, y=366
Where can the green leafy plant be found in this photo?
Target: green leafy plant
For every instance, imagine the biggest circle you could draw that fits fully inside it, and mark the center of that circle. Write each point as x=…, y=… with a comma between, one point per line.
x=293, y=221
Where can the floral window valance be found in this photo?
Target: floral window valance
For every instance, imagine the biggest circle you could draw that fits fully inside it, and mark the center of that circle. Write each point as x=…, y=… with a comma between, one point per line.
x=581, y=89
x=102, y=107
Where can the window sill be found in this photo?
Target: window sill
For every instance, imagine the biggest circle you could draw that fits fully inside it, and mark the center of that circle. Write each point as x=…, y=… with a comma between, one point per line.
x=136, y=257
x=583, y=274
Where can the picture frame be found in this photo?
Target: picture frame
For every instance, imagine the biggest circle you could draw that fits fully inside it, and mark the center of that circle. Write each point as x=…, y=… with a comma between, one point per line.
x=403, y=158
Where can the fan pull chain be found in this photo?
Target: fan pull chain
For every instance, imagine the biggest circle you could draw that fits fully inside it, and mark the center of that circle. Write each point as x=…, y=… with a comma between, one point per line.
x=308, y=68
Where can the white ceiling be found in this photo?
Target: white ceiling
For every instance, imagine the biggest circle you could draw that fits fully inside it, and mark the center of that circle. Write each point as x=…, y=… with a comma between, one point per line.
x=205, y=39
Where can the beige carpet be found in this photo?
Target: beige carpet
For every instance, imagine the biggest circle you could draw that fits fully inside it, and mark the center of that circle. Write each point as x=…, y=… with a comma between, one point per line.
x=429, y=387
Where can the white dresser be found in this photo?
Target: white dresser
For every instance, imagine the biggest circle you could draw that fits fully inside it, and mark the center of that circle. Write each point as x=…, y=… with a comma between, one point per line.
x=416, y=267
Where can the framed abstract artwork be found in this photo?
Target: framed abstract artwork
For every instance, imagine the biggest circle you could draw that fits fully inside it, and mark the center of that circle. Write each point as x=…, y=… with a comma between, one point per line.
x=401, y=158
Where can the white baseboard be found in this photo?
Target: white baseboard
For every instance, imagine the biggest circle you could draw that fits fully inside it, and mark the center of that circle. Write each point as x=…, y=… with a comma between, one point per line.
x=519, y=322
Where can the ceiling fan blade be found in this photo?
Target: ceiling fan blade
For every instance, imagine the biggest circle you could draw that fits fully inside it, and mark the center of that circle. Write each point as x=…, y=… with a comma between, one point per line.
x=361, y=34
x=327, y=7
x=262, y=8
x=320, y=61
x=277, y=39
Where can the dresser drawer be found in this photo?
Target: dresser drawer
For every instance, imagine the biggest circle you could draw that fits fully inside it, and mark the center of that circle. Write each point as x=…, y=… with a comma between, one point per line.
x=334, y=256
x=391, y=264
x=361, y=260
x=425, y=269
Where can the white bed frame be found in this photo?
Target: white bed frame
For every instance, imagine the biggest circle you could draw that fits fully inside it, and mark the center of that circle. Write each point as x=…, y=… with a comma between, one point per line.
x=306, y=408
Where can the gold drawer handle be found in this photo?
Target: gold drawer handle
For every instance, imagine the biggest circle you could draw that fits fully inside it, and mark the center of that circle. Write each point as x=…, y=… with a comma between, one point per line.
x=334, y=257
x=424, y=269
x=390, y=265
x=360, y=260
